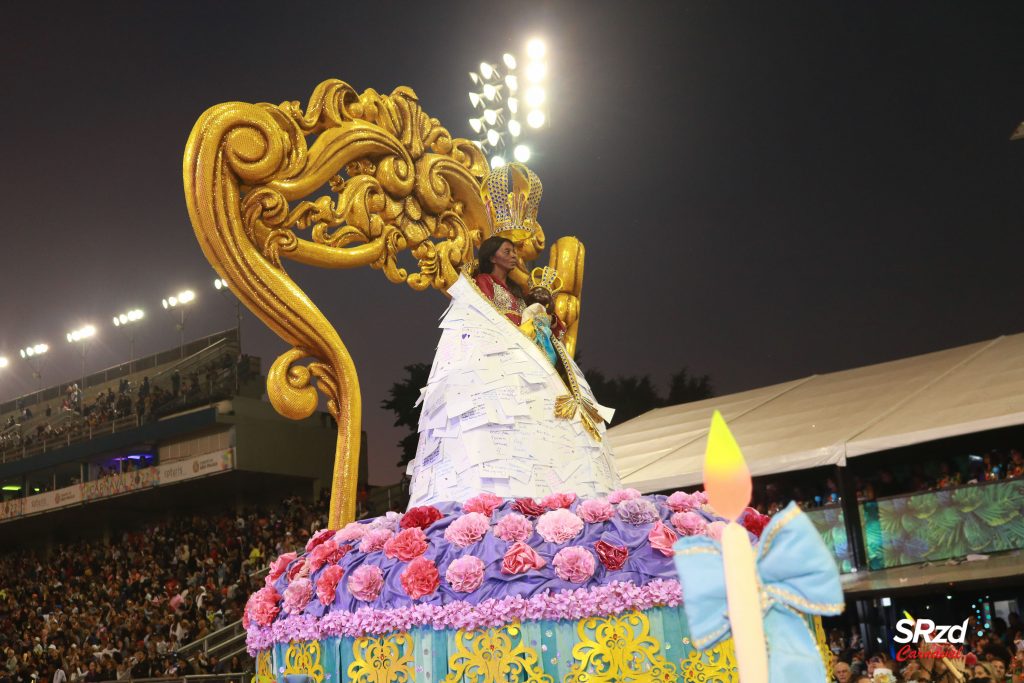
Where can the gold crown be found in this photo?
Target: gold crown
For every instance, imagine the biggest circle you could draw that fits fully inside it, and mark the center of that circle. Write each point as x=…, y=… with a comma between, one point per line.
x=546, y=278
x=512, y=194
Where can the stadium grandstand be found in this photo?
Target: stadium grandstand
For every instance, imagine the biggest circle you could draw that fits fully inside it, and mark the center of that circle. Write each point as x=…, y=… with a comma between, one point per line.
x=139, y=509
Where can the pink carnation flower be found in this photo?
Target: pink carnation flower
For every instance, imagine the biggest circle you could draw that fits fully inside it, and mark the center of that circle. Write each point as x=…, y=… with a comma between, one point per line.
x=319, y=537
x=715, y=530
x=689, y=523
x=374, y=540
x=406, y=544
x=353, y=531
x=574, y=564
x=559, y=526
x=513, y=527
x=620, y=495
x=278, y=566
x=465, y=574
x=468, y=529
x=554, y=501
x=662, y=538
x=595, y=510
x=262, y=606
x=637, y=511
x=680, y=501
x=485, y=503
x=365, y=582
x=325, y=553
x=420, y=578
x=297, y=595
x=327, y=584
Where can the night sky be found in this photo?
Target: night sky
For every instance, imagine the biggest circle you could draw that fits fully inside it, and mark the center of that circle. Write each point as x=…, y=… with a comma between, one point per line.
x=765, y=189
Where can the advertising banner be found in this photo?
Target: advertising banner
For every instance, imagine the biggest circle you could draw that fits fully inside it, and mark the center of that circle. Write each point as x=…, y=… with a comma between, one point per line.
x=119, y=484
x=197, y=466
x=51, y=500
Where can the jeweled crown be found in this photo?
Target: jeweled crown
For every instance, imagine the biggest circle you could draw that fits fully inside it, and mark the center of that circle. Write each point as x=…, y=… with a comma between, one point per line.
x=546, y=278
x=512, y=194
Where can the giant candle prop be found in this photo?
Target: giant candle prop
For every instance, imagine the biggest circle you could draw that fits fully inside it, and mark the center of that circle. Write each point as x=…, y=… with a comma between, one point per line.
x=728, y=486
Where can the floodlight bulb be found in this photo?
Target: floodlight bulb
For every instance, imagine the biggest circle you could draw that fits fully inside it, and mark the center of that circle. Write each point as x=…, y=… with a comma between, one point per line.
x=165, y=303
x=536, y=118
x=513, y=105
x=186, y=296
x=490, y=92
x=474, y=77
x=522, y=153
x=22, y=352
x=173, y=301
x=474, y=99
x=536, y=71
x=510, y=60
x=514, y=128
x=117, y=323
x=497, y=161
x=535, y=96
x=493, y=137
x=70, y=337
x=536, y=48
x=486, y=70
x=3, y=362
x=475, y=125
x=512, y=82
x=490, y=116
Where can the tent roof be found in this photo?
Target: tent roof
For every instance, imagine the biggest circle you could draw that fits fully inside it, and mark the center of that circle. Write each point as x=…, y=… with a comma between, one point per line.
x=825, y=419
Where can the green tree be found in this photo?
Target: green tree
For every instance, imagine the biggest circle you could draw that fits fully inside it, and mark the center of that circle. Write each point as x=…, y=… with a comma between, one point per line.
x=402, y=403
x=632, y=396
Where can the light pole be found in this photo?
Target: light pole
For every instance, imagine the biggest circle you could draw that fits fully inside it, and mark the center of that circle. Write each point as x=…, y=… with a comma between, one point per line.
x=505, y=101
x=34, y=356
x=126, y=321
x=179, y=302
x=222, y=286
x=81, y=336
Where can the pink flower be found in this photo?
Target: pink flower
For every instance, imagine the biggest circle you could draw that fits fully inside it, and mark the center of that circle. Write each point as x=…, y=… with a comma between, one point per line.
x=467, y=529
x=422, y=517
x=353, y=531
x=374, y=540
x=680, y=501
x=390, y=520
x=520, y=559
x=365, y=582
x=662, y=538
x=298, y=570
x=689, y=523
x=715, y=530
x=262, y=606
x=595, y=510
x=700, y=498
x=485, y=503
x=574, y=564
x=297, y=595
x=278, y=567
x=465, y=574
x=554, y=501
x=637, y=511
x=559, y=526
x=513, y=527
x=327, y=552
x=406, y=544
x=754, y=522
x=528, y=506
x=319, y=537
x=620, y=495
x=420, y=578
x=327, y=584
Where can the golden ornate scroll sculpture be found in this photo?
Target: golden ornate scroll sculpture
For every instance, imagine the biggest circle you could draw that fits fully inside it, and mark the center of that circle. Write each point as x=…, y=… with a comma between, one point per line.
x=494, y=654
x=305, y=659
x=253, y=185
x=384, y=659
x=618, y=648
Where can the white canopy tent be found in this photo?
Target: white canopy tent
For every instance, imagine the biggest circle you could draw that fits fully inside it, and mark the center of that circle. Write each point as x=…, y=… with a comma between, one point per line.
x=825, y=419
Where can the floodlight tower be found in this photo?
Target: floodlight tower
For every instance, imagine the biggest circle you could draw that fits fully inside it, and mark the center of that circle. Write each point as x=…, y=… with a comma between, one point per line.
x=180, y=303
x=222, y=287
x=34, y=355
x=81, y=336
x=127, y=322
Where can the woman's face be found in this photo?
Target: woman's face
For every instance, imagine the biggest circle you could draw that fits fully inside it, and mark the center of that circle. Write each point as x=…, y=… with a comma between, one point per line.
x=505, y=257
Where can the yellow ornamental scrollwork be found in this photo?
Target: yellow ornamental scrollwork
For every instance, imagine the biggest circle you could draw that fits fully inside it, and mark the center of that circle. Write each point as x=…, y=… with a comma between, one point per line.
x=304, y=658
x=714, y=665
x=823, y=649
x=618, y=648
x=492, y=656
x=265, y=667
x=388, y=659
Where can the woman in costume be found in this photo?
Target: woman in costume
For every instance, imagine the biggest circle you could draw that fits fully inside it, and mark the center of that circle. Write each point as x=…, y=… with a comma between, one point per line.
x=505, y=410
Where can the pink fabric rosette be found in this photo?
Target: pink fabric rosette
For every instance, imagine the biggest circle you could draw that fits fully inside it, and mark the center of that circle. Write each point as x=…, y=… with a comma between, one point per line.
x=374, y=540
x=365, y=582
x=467, y=529
x=484, y=503
x=574, y=564
x=559, y=526
x=638, y=511
x=528, y=507
x=513, y=527
x=262, y=607
x=715, y=530
x=680, y=501
x=465, y=574
x=619, y=495
x=662, y=538
x=689, y=523
x=327, y=584
x=613, y=557
x=555, y=501
x=520, y=559
x=422, y=516
x=420, y=578
x=754, y=521
x=327, y=552
x=278, y=566
x=297, y=595
x=353, y=531
x=320, y=537
x=406, y=544
x=595, y=510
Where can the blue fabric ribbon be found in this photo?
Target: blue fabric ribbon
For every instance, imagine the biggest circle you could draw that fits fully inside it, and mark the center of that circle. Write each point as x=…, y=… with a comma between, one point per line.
x=797, y=576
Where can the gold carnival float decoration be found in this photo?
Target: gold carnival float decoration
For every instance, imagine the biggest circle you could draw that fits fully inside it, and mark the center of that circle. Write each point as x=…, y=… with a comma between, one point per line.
x=396, y=180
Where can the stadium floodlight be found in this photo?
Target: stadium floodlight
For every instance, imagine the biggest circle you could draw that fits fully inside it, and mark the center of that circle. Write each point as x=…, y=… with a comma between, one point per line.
x=522, y=153
x=475, y=77
x=33, y=355
x=81, y=336
x=536, y=49
x=515, y=128
x=491, y=91
x=535, y=96
x=512, y=82
x=536, y=71
x=493, y=137
x=3, y=362
x=536, y=118
x=475, y=99
x=491, y=116
x=497, y=161
x=125, y=322
x=220, y=284
x=179, y=301
x=476, y=125
x=513, y=105
x=487, y=71
x=34, y=350
x=510, y=60
x=131, y=316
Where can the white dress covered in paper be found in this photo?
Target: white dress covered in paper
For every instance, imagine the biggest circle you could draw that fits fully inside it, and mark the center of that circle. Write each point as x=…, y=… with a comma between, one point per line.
x=488, y=420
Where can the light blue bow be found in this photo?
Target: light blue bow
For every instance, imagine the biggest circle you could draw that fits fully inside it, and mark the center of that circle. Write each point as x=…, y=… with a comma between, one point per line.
x=797, y=576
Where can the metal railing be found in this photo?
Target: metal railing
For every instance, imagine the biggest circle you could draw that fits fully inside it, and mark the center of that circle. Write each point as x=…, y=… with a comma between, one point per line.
x=68, y=438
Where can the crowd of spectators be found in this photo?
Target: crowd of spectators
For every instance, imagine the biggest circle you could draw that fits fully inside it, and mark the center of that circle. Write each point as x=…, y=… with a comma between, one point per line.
x=105, y=610
x=146, y=400
x=994, y=656
x=775, y=493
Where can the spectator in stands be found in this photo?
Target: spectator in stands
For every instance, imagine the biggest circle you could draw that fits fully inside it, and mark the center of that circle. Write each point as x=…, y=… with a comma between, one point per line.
x=842, y=673
x=176, y=383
